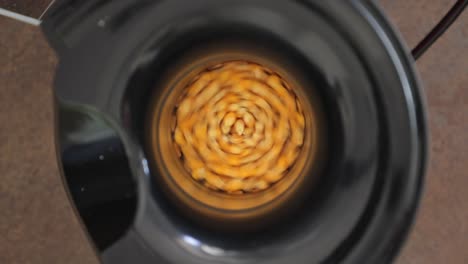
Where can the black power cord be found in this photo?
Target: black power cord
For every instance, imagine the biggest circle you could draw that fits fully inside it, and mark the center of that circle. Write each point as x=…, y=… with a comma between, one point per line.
x=439, y=29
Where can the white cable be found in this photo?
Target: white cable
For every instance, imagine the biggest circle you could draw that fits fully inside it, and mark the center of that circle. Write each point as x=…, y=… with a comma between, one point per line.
x=22, y=18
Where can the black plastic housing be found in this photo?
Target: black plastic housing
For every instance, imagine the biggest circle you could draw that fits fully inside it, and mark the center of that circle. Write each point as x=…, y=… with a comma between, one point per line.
x=110, y=53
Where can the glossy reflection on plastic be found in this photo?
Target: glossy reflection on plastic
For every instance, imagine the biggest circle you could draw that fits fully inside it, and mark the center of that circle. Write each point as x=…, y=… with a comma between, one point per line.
x=97, y=173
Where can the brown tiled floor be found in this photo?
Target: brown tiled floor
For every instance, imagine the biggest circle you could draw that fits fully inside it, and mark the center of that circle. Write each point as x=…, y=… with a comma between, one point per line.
x=441, y=231
x=38, y=225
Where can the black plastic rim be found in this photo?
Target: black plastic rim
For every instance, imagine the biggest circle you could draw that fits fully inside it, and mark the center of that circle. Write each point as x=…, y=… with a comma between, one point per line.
x=371, y=94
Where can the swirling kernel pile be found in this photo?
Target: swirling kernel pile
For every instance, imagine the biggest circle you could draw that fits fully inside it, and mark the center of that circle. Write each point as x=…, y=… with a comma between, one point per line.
x=239, y=127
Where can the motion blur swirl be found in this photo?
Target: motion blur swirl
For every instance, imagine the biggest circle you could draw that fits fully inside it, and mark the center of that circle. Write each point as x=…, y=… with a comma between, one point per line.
x=239, y=127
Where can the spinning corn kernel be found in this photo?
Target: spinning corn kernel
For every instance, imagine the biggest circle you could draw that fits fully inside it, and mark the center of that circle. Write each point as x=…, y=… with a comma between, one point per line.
x=239, y=127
